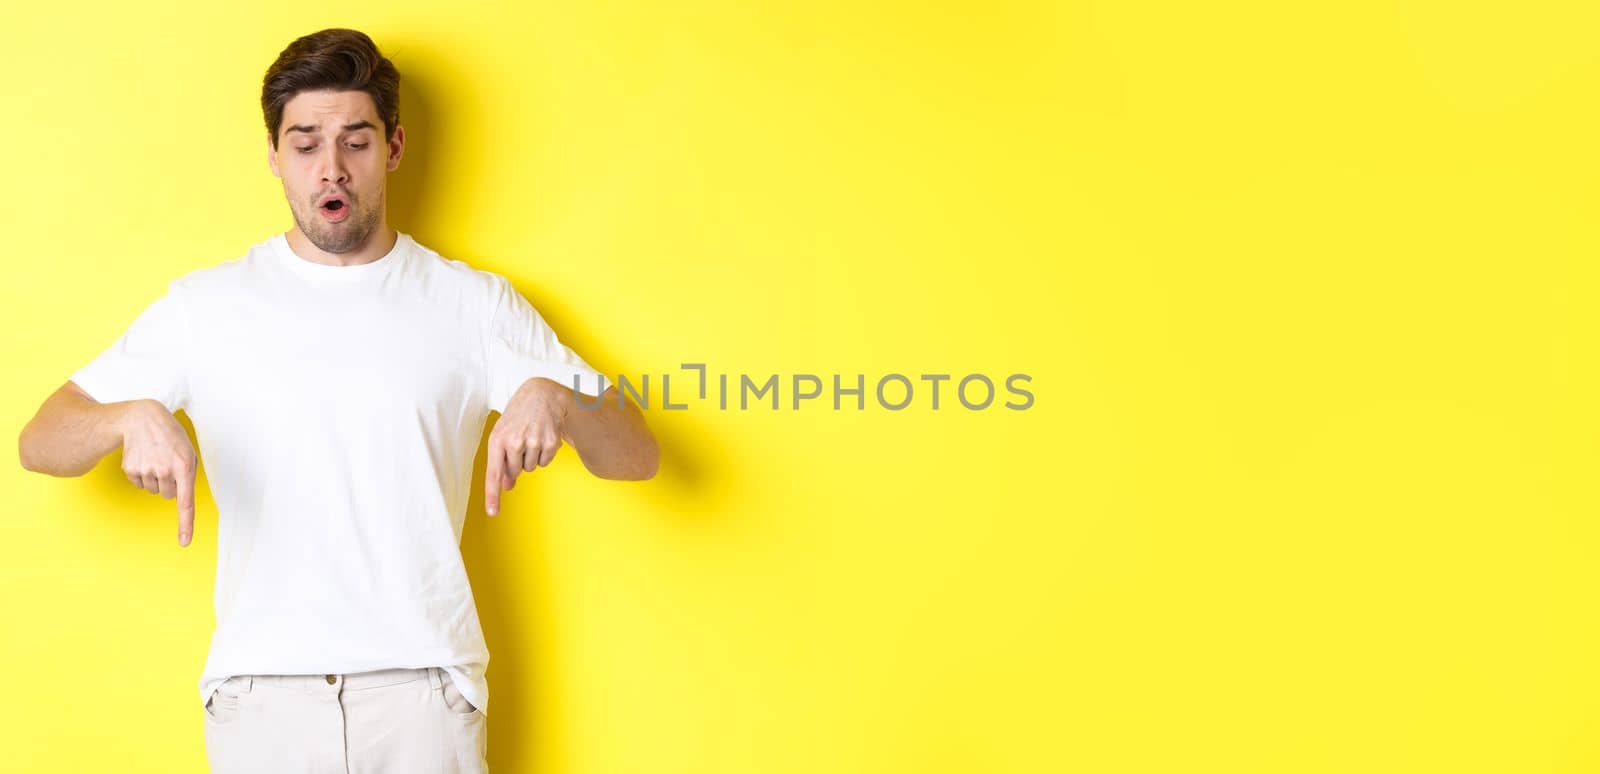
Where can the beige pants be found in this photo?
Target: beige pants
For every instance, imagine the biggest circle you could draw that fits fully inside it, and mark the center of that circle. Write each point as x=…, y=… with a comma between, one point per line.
x=395, y=721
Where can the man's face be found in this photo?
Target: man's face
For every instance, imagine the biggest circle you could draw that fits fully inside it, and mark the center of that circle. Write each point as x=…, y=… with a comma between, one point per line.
x=333, y=161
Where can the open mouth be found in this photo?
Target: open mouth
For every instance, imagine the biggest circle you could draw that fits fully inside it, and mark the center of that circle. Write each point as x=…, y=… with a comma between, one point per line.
x=334, y=210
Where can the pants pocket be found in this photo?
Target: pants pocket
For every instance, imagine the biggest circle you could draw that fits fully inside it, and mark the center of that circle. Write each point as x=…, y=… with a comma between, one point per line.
x=454, y=700
x=223, y=706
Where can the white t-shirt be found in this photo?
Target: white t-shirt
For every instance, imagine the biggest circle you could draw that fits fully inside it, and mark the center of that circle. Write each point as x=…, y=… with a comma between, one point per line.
x=338, y=410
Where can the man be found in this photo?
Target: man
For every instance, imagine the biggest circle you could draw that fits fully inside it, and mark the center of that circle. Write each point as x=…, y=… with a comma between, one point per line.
x=338, y=377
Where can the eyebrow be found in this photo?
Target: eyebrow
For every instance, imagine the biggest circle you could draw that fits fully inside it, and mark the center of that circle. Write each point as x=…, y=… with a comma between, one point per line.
x=311, y=128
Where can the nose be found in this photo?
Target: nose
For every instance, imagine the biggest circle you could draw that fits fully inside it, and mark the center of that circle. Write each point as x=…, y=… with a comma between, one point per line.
x=333, y=170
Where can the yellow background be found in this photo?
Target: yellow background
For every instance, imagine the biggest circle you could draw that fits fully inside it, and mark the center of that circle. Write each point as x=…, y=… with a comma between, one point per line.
x=1307, y=295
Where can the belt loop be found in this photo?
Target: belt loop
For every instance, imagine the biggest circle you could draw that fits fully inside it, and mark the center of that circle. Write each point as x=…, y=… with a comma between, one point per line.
x=435, y=678
x=246, y=684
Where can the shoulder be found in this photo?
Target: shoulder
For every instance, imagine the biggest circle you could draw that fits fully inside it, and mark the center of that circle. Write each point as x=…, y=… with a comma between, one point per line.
x=483, y=285
x=223, y=276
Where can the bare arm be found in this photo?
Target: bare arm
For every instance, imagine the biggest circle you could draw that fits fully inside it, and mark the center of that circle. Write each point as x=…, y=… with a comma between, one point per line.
x=72, y=431
x=612, y=440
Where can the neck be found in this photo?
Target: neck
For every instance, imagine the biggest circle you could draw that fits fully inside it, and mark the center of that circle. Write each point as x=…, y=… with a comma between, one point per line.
x=377, y=245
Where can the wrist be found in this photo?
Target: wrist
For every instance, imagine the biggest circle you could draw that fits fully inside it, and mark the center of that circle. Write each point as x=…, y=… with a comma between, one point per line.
x=555, y=395
x=121, y=416
x=548, y=391
x=116, y=419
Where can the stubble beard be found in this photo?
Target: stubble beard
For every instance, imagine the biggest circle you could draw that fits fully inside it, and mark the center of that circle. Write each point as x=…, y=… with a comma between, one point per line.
x=341, y=237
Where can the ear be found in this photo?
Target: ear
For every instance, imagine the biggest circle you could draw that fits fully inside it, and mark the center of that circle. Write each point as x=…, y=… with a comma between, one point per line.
x=397, y=147
x=272, y=159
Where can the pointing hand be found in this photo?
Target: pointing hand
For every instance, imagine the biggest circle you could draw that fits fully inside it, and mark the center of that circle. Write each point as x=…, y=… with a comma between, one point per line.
x=157, y=457
x=526, y=436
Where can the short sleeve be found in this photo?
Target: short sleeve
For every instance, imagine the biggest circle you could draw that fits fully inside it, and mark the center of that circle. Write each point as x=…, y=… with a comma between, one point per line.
x=148, y=361
x=522, y=346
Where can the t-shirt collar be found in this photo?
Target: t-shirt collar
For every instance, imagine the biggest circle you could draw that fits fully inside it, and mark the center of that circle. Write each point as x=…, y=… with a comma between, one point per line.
x=321, y=272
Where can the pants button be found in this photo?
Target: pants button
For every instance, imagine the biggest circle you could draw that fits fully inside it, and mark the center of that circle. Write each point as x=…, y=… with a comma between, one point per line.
x=330, y=679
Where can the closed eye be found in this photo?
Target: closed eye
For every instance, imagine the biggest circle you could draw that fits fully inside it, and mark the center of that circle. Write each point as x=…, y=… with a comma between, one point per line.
x=353, y=146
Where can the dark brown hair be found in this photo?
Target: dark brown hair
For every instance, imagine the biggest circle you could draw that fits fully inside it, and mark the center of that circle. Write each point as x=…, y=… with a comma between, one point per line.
x=337, y=60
